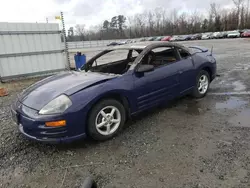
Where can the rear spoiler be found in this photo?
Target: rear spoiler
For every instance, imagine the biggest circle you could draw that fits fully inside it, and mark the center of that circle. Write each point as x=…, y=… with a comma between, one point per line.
x=202, y=49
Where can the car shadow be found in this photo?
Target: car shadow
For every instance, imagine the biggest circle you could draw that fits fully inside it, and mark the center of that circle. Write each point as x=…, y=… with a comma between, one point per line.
x=87, y=142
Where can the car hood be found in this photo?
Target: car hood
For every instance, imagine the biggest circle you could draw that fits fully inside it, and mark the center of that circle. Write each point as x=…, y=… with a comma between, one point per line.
x=42, y=92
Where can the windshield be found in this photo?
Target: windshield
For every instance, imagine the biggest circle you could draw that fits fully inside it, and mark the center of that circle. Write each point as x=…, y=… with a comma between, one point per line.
x=112, y=61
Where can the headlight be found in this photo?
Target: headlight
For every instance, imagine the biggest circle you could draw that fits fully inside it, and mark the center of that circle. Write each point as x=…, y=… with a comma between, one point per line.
x=56, y=106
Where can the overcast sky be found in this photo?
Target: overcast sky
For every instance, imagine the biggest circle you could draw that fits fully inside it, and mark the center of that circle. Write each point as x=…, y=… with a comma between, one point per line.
x=92, y=12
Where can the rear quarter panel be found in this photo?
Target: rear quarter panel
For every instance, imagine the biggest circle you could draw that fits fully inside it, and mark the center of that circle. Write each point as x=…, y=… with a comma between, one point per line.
x=201, y=62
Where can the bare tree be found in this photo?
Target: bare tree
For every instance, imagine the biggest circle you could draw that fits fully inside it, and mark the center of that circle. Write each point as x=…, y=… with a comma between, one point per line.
x=163, y=26
x=151, y=21
x=195, y=22
x=174, y=19
x=238, y=4
x=247, y=13
x=140, y=22
x=80, y=31
x=242, y=17
x=224, y=19
x=130, y=25
x=214, y=17
x=158, y=12
x=159, y=22
x=214, y=9
x=183, y=23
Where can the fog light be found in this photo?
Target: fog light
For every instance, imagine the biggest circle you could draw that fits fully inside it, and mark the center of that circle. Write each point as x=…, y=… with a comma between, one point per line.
x=56, y=123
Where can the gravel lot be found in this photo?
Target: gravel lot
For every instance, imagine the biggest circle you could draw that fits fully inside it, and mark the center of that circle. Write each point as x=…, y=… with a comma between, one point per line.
x=186, y=144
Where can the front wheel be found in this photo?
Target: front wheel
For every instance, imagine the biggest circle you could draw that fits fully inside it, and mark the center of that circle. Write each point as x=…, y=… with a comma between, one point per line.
x=202, y=84
x=106, y=119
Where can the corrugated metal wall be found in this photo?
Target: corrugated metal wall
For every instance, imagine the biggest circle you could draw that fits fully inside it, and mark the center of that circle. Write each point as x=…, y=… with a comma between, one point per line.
x=30, y=49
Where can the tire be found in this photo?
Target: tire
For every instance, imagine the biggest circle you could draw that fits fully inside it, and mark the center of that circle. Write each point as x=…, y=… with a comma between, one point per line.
x=109, y=125
x=200, y=93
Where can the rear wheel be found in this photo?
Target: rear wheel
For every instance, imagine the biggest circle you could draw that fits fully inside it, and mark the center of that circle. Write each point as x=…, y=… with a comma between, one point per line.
x=106, y=119
x=202, y=84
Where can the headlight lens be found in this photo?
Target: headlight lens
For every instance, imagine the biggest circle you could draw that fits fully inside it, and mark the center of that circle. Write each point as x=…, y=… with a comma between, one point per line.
x=56, y=106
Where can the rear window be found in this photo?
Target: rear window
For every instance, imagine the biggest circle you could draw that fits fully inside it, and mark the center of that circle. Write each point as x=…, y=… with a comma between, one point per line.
x=183, y=53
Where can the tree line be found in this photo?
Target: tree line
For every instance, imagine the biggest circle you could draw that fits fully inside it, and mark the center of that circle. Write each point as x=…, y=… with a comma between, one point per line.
x=160, y=22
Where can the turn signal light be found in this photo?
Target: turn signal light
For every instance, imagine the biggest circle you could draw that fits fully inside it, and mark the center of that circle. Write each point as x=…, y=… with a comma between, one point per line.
x=56, y=123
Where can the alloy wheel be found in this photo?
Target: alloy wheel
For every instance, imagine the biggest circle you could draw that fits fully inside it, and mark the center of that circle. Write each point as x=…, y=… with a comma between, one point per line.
x=108, y=120
x=203, y=84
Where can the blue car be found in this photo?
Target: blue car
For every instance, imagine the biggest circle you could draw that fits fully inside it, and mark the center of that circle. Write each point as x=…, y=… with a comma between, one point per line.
x=96, y=101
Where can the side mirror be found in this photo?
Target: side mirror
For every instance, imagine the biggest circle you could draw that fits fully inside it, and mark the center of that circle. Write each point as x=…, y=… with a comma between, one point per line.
x=145, y=68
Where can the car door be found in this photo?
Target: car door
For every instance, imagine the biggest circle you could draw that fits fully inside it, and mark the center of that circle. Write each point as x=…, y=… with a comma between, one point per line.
x=161, y=84
x=186, y=71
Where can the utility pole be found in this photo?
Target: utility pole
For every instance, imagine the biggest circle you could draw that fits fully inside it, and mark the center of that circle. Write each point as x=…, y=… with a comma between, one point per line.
x=65, y=42
x=47, y=20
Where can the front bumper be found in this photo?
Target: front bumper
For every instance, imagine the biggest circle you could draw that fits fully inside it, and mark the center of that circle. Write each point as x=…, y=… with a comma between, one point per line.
x=51, y=140
x=35, y=129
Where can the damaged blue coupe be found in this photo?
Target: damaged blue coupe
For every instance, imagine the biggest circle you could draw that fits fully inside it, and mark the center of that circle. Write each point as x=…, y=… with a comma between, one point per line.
x=97, y=100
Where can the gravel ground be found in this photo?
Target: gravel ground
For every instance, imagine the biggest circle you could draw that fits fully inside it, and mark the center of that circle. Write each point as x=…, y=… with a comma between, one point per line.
x=186, y=144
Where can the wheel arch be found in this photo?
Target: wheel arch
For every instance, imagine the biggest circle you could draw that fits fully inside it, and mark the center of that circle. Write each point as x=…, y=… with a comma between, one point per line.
x=117, y=96
x=208, y=70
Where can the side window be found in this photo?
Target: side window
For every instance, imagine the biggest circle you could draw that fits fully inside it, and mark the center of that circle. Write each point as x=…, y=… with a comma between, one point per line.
x=135, y=54
x=183, y=53
x=160, y=56
x=132, y=55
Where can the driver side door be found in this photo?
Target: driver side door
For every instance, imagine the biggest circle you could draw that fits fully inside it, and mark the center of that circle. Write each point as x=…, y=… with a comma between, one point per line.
x=161, y=84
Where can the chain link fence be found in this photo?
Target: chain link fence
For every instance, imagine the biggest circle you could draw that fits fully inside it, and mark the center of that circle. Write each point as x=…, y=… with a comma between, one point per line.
x=91, y=44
